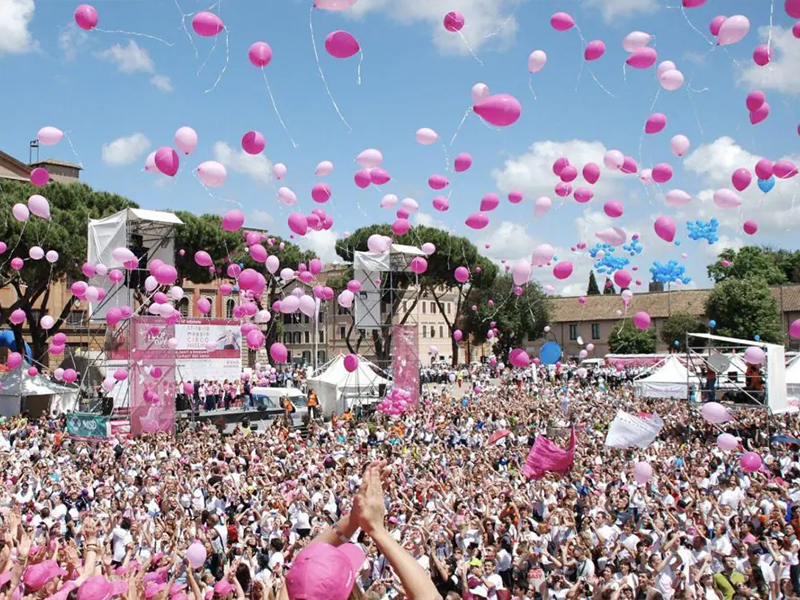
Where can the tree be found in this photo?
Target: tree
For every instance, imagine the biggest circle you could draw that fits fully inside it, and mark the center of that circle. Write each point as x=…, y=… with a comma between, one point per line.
x=745, y=308
x=749, y=262
x=593, y=289
x=609, y=289
x=71, y=207
x=518, y=318
x=677, y=326
x=628, y=339
x=437, y=281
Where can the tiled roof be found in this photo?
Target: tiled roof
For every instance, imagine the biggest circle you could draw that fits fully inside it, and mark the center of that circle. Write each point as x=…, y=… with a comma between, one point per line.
x=656, y=304
x=58, y=163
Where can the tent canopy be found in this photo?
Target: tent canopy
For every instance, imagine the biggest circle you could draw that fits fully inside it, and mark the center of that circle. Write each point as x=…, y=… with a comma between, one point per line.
x=337, y=389
x=671, y=380
x=20, y=391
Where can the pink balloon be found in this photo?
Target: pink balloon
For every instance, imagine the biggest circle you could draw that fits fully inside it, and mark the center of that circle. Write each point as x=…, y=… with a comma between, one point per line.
x=253, y=142
x=562, y=21
x=461, y=274
x=642, y=58
x=727, y=442
x=298, y=223
x=796, y=30
x=362, y=179
x=401, y=227
x=733, y=30
x=351, y=363
x=418, y=265
x=341, y=44
x=693, y=3
x=260, y=54
x=568, y=174
x=765, y=168
x=233, y=220
x=594, y=50
x=591, y=172
x=458, y=335
x=754, y=356
x=792, y=8
x=641, y=320
x=441, y=203
x=438, y=182
x=622, y=278
x=321, y=193
x=679, y=145
x=716, y=24
x=750, y=462
x=750, y=227
x=662, y=173
x=583, y=195
x=477, y=220
x=762, y=55
x=629, y=165
x=794, y=330
x=278, y=353
x=665, y=228
x=783, y=169
x=379, y=177
x=655, y=123
x=489, y=202
x=559, y=164
x=207, y=24
x=642, y=472
x=726, y=199
x=86, y=17
x=203, y=259
x=613, y=208
x=757, y=116
x=462, y=162
x=563, y=190
x=515, y=197
x=453, y=21
x=17, y=263
x=755, y=100
x=500, y=110
x=562, y=270
x=167, y=161
x=741, y=179
x=40, y=177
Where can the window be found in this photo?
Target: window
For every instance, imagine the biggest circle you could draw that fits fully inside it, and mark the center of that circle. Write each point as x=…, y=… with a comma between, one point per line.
x=595, y=331
x=573, y=332
x=306, y=356
x=321, y=335
x=448, y=308
x=321, y=357
x=423, y=308
x=342, y=332
x=424, y=328
x=433, y=331
x=183, y=307
x=441, y=331
x=341, y=310
x=252, y=355
x=75, y=317
x=296, y=338
x=230, y=306
x=287, y=338
x=287, y=319
x=433, y=308
x=305, y=319
x=306, y=337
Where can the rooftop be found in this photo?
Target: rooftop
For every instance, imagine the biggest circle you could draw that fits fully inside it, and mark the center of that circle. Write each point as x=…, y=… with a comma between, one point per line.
x=57, y=163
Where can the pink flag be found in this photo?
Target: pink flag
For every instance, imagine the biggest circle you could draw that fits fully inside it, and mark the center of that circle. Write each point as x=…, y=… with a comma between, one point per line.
x=546, y=456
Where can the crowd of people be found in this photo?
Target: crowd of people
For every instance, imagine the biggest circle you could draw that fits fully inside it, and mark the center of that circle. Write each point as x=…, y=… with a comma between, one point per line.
x=418, y=506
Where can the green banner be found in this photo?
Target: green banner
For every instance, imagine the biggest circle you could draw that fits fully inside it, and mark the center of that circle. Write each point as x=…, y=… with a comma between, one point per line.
x=87, y=425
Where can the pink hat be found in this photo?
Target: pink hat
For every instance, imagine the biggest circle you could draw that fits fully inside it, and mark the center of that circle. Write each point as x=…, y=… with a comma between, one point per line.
x=100, y=588
x=5, y=578
x=153, y=589
x=63, y=593
x=36, y=576
x=223, y=588
x=324, y=572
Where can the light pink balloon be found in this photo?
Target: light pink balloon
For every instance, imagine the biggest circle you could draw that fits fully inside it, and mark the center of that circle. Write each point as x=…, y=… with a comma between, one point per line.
x=655, y=123
x=489, y=202
x=759, y=115
x=20, y=212
x=591, y=172
x=562, y=270
x=613, y=236
x=207, y=24
x=86, y=17
x=542, y=255
x=49, y=136
x=635, y=40
x=212, y=173
x=642, y=58
x=259, y=54
x=613, y=208
x=677, y=198
x=480, y=92
x=542, y=206
x=462, y=162
x=501, y=110
x=298, y=223
x=755, y=100
x=150, y=163
x=671, y=80
x=324, y=169
x=536, y=61
x=733, y=30
x=726, y=199
x=426, y=136
x=477, y=220
x=453, y=21
x=341, y=44
x=665, y=228
x=279, y=170
x=562, y=21
x=679, y=145
x=39, y=206
x=613, y=159
x=594, y=50
x=253, y=142
x=370, y=158
x=186, y=140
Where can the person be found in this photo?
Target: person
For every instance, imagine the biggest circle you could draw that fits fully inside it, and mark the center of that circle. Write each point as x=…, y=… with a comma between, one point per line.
x=288, y=408
x=313, y=402
x=711, y=383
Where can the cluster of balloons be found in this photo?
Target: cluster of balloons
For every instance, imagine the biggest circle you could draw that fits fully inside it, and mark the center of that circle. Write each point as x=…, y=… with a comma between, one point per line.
x=671, y=272
x=396, y=402
x=605, y=259
x=704, y=230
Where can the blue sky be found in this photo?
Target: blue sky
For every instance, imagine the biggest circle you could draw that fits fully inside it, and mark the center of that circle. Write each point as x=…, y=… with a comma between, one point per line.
x=104, y=88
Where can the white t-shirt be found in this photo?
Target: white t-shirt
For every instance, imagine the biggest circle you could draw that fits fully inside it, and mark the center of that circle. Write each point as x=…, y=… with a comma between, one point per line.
x=120, y=538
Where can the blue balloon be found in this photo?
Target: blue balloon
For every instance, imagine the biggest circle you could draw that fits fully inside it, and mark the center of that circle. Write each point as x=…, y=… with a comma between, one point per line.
x=712, y=323
x=757, y=338
x=766, y=185
x=550, y=353
x=7, y=341
x=677, y=343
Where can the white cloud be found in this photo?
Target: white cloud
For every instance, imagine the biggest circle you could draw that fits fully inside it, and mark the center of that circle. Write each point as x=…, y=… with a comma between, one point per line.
x=781, y=73
x=508, y=240
x=162, y=82
x=15, y=17
x=485, y=20
x=427, y=220
x=725, y=242
x=125, y=150
x=71, y=40
x=256, y=167
x=128, y=59
x=715, y=163
x=614, y=9
x=261, y=219
x=322, y=243
x=532, y=173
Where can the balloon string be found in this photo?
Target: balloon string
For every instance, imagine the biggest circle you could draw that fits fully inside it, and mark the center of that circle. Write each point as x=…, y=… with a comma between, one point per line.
x=205, y=62
x=505, y=23
x=460, y=125
x=214, y=196
x=227, y=60
x=471, y=51
x=72, y=147
x=600, y=85
x=771, y=22
x=183, y=26
x=694, y=110
x=530, y=86
x=321, y=72
x=360, y=60
x=446, y=156
x=275, y=107
x=19, y=239
x=144, y=35
x=692, y=25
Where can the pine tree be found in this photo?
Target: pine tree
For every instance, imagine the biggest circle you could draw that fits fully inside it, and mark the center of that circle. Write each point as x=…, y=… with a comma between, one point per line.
x=593, y=289
x=609, y=289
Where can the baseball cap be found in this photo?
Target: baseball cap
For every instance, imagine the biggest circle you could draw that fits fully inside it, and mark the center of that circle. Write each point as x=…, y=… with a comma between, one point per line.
x=324, y=572
x=223, y=588
x=100, y=588
x=36, y=576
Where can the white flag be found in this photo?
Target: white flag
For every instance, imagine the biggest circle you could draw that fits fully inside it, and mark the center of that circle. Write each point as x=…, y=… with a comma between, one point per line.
x=627, y=430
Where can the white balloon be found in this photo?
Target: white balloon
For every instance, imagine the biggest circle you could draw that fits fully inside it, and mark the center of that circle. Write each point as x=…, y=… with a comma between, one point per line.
x=480, y=92
x=536, y=61
x=635, y=40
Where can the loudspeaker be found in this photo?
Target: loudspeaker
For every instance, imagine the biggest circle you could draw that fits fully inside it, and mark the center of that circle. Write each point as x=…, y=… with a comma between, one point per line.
x=381, y=390
x=108, y=406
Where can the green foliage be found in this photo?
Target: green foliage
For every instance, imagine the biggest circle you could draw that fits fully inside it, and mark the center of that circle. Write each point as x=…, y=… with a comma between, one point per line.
x=628, y=339
x=518, y=318
x=773, y=266
x=593, y=289
x=677, y=326
x=744, y=308
x=204, y=232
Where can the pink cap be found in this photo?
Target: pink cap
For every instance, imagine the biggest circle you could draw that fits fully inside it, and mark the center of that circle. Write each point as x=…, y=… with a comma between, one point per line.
x=36, y=576
x=153, y=589
x=324, y=572
x=223, y=588
x=100, y=588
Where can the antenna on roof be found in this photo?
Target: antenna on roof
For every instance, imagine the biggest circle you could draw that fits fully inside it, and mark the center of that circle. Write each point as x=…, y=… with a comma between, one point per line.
x=33, y=144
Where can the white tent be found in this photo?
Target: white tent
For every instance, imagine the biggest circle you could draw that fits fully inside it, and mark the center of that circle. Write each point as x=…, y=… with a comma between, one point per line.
x=37, y=395
x=670, y=380
x=793, y=385
x=339, y=390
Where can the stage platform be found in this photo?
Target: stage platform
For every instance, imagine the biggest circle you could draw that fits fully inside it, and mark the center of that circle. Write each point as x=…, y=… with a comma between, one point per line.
x=232, y=416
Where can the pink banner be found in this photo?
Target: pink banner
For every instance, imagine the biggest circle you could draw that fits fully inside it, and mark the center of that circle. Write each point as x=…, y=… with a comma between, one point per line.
x=405, y=360
x=152, y=393
x=546, y=457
